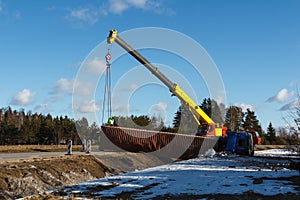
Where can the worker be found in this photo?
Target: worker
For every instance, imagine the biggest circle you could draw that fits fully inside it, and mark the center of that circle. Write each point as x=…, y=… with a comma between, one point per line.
x=111, y=121
x=69, y=147
x=88, y=146
x=202, y=130
x=84, y=145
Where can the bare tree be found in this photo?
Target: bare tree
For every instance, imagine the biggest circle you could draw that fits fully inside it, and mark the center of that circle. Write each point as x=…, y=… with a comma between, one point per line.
x=292, y=119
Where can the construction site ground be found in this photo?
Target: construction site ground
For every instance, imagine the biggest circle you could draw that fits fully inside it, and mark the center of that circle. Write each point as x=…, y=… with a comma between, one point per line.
x=33, y=176
x=32, y=169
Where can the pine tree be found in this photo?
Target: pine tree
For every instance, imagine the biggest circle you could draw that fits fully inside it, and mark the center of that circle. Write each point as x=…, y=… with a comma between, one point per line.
x=82, y=127
x=234, y=118
x=142, y=120
x=206, y=106
x=184, y=121
x=176, y=120
x=216, y=113
x=95, y=130
x=212, y=109
x=45, y=133
x=251, y=122
x=271, y=134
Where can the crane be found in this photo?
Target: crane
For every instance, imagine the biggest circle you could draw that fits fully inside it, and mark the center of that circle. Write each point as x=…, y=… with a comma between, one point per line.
x=206, y=125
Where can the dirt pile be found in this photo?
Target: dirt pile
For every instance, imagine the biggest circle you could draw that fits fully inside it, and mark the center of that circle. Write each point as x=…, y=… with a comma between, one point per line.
x=20, y=179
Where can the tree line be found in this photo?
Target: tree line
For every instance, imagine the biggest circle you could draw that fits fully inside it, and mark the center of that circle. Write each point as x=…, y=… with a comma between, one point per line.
x=237, y=120
x=18, y=127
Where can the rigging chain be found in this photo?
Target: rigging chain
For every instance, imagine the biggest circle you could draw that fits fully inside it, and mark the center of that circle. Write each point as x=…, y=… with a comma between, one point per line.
x=107, y=88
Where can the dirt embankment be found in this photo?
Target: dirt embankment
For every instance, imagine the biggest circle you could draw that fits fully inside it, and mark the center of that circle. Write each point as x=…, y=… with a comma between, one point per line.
x=35, y=175
x=20, y=179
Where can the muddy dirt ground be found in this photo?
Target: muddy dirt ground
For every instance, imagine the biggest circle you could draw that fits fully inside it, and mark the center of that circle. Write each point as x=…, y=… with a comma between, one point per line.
x=36, y=175
x=19, y=179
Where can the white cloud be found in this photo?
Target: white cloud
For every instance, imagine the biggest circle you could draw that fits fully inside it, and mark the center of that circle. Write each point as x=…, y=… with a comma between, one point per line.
x=11, y=14
x=61, y=88
x=88, y=107
x=220, y=96
x=91, y=14
x=63, y=85
x=282, y=96
x=139, y=3
x=88, y=15
x=95, y=66
x=293, y=83
x=41, y=107
x=159, y=110
x=161, y=106
x=124, y=109
x=83, y=88
x=119, y=6
x=244, y=106
x=23, y=98
x=290, y=106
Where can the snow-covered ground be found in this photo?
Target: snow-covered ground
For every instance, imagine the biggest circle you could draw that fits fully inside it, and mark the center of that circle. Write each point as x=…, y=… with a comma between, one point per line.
x=278, y=153
x=201, y=176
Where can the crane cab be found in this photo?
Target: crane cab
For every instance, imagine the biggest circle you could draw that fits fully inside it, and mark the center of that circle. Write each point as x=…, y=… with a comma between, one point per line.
x=206, y=130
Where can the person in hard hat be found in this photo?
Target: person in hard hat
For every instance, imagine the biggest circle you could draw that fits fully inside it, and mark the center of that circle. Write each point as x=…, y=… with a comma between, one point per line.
x=115, y=120
x=110, y=121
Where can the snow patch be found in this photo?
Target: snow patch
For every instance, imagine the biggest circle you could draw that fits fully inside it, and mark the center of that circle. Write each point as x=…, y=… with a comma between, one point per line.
x=201, y=176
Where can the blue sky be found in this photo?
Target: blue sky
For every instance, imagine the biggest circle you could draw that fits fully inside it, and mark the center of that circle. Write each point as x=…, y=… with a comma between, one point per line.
x=254, y=44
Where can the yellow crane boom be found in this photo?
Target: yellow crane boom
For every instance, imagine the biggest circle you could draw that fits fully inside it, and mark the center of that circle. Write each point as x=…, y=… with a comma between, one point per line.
x=208, y=125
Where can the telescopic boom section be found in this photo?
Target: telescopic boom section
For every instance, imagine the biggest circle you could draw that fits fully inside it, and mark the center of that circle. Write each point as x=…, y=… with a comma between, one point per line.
x=114, y=37
x=173, y=87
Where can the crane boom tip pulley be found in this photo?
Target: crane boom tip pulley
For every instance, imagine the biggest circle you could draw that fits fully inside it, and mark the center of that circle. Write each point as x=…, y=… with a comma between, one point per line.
x=112, y=36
